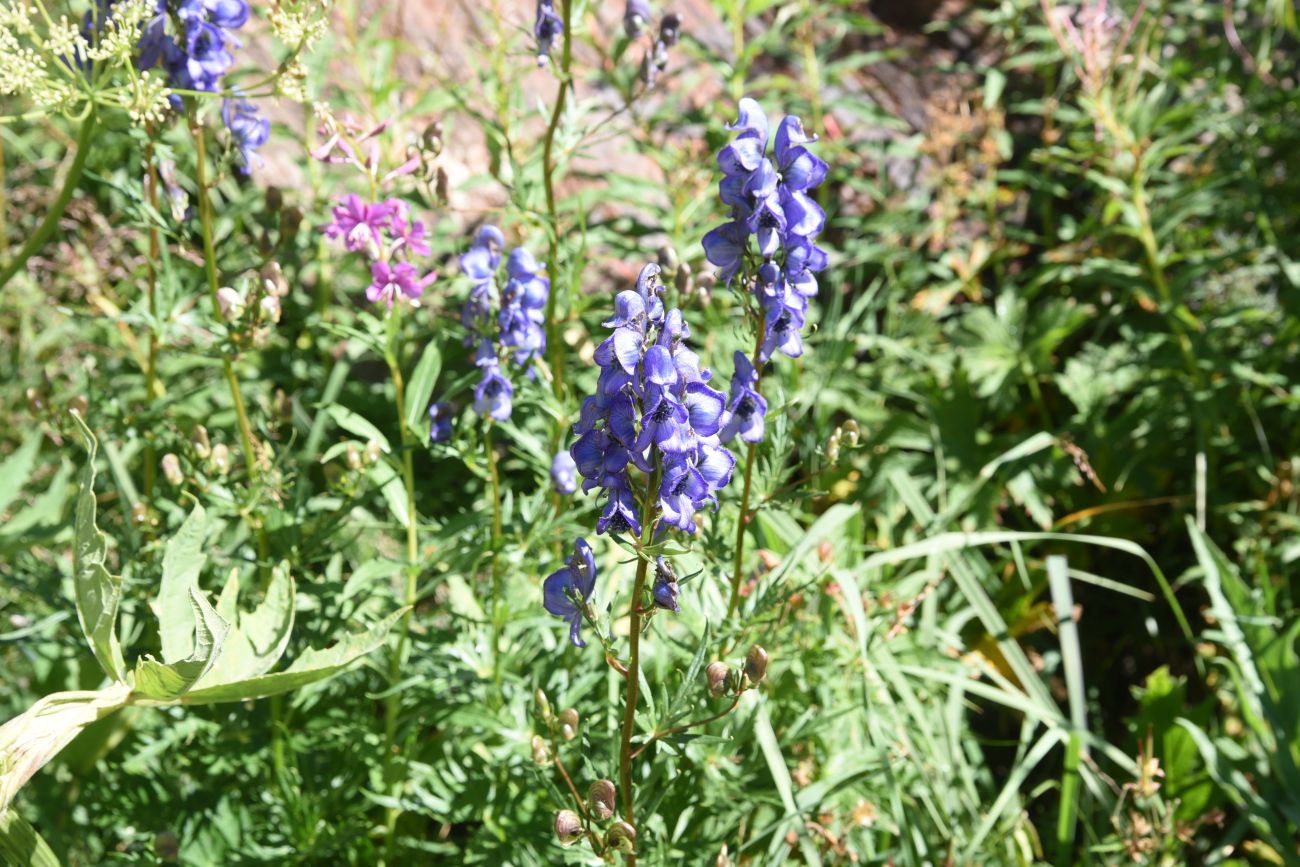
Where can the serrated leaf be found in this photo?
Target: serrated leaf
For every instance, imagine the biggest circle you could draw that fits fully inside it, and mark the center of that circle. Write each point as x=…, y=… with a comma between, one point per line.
x=161, y=681
x=312, y=666
x=257, y=639
x=97, y=592
x=421, y=386
x=183, y=560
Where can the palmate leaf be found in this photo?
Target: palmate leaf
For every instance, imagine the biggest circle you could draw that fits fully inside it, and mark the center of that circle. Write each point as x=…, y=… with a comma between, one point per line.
x=97, y=591
x=312, y=666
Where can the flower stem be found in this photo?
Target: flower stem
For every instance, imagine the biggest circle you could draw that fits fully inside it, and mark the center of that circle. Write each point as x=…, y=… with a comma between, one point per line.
x=548, y=182
x=742, y=519
x=210, y=267
x=626, y=754
x=393, y=703
x=497, y=609
x=151, y=365
x=60, y=203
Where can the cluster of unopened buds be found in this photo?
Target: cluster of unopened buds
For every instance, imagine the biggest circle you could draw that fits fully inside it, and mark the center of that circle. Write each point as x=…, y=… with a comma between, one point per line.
x=253, y=313
x=594, y=816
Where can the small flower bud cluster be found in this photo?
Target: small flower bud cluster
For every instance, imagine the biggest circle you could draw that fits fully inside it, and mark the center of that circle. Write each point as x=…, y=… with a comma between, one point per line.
x=770, y=203
x=655, y=61
x=510, y=317
x=653, y=410
x=386, y=234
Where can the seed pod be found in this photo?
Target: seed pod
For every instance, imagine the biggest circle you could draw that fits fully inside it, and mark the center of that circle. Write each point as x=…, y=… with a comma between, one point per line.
x=353, y=457
x=833, y=447
x=723, y=859
x=683, y=279
x=667, y=258
x=442, y=186
x=139, y=513
x=166, y=846
x=541, y=754
x=230, y=303
x=373, y=451
x=432, y=138
x=274, y=199
x=756, y=664
x=290, y=222
x=568, y=827
x=543, y=704
x=221, y=459
x=852, y=432
x=199, y=440
x=171, y=469
x=717, y=675
x=569, y=724
x=270, y=308
x=621, y=837
x=35, y=401
x=79, y=405
x=601, y=799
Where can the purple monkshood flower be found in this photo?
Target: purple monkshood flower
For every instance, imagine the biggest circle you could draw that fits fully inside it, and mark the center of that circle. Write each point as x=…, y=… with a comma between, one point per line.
x=652, y=408
x=564, y=473
x=665, y=588
x=440, y=421
x=565, y=593
x=746, y=409
x=248, y=131
x=546, y=29
x=636, y=15
x=396, y=280
x=512, y=317
x=494, y=394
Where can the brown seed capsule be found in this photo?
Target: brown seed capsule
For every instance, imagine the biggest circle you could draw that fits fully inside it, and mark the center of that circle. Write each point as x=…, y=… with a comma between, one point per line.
x=353, y=457
x=274, y=199
x=432, y=138
x=852, y=431
x=601, y=799
x=541, y=754
x=139, y=513
x=171, y=469
x=621, y=837
x=756, y=664
x=717, y=675
x=373, y=450
x=79, y=405
x=667, y=258
x=568, y=827
x=442, y=186
x=290, y=221
x=683, y=279
x=569, y=724
x=167, y=846
x=35, y=401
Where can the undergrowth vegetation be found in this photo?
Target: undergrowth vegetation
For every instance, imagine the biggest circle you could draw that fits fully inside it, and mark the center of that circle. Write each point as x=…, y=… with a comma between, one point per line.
x=737, y=434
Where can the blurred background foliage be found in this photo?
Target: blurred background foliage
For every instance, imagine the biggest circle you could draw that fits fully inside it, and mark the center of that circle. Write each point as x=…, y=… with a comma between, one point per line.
x=1063, y=311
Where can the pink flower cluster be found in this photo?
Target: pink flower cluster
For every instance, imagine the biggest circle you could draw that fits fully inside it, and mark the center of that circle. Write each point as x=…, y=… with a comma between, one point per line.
x=385, y=233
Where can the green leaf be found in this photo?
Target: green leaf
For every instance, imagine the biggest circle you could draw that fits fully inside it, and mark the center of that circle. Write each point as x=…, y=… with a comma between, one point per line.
x=421, y=386
x=312, y=666
x=394, y=490
x=97, y=592
x=21, y=845
x=15, y=470
x=183, y=560
x=358, y=426
x=257, y=639
x=159, y=681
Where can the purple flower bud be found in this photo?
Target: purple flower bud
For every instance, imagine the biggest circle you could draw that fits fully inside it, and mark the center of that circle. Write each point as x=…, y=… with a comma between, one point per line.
x=665, y=587
x=564, y=473
x=440, y=421
x=635, y=17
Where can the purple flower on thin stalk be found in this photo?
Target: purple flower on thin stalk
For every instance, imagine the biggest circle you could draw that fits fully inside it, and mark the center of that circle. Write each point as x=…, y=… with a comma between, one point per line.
x=565, y=593
x=564, y=473
x=248, y=131
x=494, y=394
x=546, y=30
x=666, y=589
x=746, y=409
x=441, y=416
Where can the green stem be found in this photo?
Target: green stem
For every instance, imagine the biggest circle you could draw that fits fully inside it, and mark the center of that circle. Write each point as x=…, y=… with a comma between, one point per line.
x=57, y=207
x=393, y=703
x=210, y=268
x=497, y=608
x=151, y=366
x=738, y=49
x=548, y=182
x=742, y=520
x=649, y=514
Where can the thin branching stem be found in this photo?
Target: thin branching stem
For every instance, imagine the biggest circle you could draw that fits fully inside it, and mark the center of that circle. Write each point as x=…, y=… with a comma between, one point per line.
x=496, y=604
x=60, y=203
x=552, y=213
x=742, y=519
